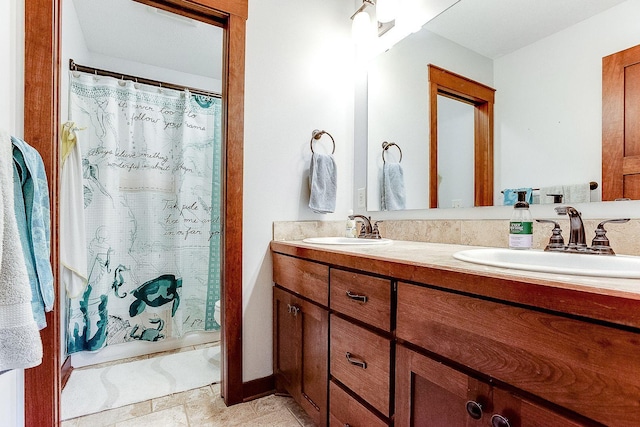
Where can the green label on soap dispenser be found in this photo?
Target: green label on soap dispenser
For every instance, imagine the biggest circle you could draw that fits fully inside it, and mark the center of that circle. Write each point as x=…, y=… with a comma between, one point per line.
x=516, y=227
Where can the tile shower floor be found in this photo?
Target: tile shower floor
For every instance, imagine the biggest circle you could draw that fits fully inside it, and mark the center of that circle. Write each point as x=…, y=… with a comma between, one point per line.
x=201, y=407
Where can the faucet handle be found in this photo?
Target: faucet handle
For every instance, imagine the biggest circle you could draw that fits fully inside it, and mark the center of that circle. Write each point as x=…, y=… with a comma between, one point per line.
x=600, y=242
x=556, y=242
x=375, y=231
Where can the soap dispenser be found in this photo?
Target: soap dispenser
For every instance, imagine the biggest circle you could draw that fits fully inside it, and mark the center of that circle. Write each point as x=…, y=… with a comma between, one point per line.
x=351, y=228
x=521, y=225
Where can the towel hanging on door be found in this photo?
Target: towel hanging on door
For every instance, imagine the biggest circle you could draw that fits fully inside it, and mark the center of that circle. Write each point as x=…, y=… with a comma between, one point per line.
x=21, y=345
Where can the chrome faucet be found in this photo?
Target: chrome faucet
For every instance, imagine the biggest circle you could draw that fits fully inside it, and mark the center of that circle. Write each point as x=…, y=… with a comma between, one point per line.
x=367, y=231
x=577, y=240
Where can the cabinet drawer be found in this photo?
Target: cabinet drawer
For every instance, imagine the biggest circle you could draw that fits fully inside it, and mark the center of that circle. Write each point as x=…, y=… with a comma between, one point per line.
x=360, y=359
x=589, y=368
x=363, y=297
x=305, y=278
x=346, y=411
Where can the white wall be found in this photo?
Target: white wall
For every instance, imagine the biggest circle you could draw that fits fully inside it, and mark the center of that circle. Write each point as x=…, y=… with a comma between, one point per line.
x=11, y=102
x=398, y=108
x=535, y=133
x=299, y=77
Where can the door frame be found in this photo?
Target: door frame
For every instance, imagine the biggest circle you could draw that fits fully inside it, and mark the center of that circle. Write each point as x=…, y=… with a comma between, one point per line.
x=482, y=97
x=42, y=385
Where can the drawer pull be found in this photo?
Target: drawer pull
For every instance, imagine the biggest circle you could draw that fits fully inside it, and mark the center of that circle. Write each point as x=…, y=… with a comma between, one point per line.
x=498, y=420
x=356, y=297
x=474, y=409
x=356, y=362
x=293, y=309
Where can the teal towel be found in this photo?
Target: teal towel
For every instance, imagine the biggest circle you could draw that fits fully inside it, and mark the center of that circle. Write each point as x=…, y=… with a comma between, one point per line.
x=511, y=195
x=34, y=192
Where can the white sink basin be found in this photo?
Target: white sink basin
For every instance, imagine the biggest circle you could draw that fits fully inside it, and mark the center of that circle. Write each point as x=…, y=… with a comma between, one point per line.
x=621, y=266
x=346, y=241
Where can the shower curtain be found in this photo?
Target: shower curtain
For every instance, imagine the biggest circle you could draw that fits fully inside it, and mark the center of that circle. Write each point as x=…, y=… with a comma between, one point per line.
x=151, y=160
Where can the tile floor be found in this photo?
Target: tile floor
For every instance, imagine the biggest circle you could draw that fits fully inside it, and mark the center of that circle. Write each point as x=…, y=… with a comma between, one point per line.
x=201, y=407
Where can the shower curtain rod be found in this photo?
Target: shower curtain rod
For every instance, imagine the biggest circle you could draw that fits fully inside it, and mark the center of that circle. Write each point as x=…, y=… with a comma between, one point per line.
x=76, y=67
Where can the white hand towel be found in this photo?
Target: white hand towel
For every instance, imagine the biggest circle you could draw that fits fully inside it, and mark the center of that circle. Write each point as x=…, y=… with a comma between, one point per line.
x=323, y=180
x=578, y=193
x=73, y=244
x=20, y=344
x=393, y=196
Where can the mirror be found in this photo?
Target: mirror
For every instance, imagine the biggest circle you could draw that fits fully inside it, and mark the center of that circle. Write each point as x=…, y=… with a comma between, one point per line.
x=545, y=62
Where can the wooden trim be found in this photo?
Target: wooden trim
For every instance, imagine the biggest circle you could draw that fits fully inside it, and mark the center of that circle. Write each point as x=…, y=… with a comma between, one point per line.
x=616, y=167
x=233, y=101
x=482, y=97
x=258, y=388
x=41, y=99
x=41, y=96
x=65, y=372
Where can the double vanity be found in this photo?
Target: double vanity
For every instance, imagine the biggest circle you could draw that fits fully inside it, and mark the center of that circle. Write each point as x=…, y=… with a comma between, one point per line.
x=403, y=333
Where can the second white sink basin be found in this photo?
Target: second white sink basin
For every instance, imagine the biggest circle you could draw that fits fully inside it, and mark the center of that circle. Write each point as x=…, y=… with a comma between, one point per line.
x=346, y=241
x=620, y=266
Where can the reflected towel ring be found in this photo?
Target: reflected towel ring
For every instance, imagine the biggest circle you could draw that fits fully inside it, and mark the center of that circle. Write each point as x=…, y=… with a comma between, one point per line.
x=386, y=145
x=317, y=134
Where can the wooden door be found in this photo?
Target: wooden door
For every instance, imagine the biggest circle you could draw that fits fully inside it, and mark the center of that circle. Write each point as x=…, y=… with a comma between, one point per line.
x=621, y=125
x=301, y=340
x=286, y=342
x=431, y=394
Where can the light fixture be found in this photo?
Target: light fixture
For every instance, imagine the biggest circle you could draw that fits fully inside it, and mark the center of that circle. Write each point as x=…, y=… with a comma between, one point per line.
x=386, y=10
x=361, y=27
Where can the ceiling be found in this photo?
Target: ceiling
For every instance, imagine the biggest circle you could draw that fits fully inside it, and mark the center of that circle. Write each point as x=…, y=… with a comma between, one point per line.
x=497, y=27
x=136, y=32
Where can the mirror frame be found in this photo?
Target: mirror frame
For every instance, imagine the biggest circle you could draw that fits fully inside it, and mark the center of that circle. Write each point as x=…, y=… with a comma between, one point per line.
x=482, y=97
x=42, y=27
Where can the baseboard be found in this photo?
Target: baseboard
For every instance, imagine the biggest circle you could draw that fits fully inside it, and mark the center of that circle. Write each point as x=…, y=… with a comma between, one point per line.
x=257, y=388
x=65, y=372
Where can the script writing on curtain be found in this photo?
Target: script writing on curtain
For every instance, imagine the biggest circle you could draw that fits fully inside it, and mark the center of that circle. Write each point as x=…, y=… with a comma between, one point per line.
x=151, y=182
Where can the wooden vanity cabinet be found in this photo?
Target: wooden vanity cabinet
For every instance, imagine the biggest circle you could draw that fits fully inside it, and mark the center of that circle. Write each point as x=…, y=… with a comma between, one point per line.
x=301, y=334
x=429, y=393
x=444, y=356
x=585, y=368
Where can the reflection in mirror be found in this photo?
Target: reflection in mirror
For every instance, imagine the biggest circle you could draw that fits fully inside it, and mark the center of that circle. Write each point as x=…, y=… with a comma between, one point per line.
x=455, y=153
x=545, y=62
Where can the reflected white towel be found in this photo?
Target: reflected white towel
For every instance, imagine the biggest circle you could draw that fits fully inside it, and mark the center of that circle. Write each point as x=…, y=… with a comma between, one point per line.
x=579, y=193
x=73, y=243
x=21, y=346
x=323, y=180
x=393, y=196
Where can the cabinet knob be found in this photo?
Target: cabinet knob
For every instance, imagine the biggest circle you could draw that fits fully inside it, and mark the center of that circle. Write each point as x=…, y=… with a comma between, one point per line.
x=293, y=309
x=474, y=409
x=356, y=297
x=356, y=362
x=498, y=420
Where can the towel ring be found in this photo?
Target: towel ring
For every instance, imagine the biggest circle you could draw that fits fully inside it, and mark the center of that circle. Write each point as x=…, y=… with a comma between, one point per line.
x=317, y=134
x=386, y=145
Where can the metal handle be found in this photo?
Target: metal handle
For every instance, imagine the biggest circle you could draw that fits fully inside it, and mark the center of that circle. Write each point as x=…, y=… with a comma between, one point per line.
x=615, y=221
x=356, y=362
x=498, y=420
x=474, y=409
x=293, y=309
x=356, y=297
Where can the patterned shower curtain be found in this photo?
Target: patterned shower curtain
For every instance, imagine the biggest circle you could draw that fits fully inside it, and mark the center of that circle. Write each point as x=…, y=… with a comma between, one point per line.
x=151, y=162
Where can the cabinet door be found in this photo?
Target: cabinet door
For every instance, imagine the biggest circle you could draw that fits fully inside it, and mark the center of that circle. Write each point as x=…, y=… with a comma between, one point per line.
x=510, y=410
x=429, y=393
x=287, y=340
x=301, y=340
